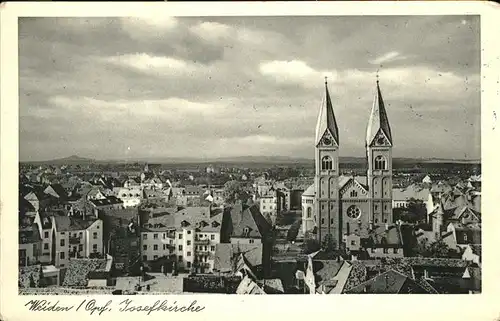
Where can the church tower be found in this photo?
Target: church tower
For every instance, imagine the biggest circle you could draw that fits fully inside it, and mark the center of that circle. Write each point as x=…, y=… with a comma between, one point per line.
x=327, y=172
x=379, y=155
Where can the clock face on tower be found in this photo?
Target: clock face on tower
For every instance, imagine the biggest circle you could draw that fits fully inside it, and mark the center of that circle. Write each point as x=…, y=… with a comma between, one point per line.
x=327, y=141
x=381, y=140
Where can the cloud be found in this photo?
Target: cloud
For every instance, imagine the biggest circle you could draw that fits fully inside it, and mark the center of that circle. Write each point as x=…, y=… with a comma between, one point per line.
x=148, y=25
x=212, y=31
x=388, y=57
x=189, y=86
x=152, y=64
x=294, y=72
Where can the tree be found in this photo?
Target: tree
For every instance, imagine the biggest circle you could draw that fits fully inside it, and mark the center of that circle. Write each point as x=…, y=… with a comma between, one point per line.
x=328, y=244
x=439, y=249
x=311, y=246
x=233, y=192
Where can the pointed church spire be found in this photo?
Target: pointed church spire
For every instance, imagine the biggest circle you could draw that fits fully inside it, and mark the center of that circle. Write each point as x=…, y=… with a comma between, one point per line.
x=326, y=119
x=378, y=123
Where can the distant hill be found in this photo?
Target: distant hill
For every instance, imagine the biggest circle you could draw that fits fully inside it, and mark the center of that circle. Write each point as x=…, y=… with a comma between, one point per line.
x=271, y=160
x=71, y=160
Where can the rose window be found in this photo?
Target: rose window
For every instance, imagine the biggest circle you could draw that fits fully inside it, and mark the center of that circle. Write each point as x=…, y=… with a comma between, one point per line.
x=353, y=212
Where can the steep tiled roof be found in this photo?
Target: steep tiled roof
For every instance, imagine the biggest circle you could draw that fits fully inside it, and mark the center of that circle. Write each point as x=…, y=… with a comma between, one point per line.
x=247, y=221
x=66, y=223
x=226, y=254
x=412, y=191
x=390, y=282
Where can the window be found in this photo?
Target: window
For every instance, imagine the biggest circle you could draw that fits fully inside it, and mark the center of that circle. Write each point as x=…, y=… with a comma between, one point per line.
x=380, y=163
x=212, y=237
x=164, y=236
x=395, y=251
x=322, y=221
x=61, y=255
x=188, y=242
x=331, y=221
x=188, y=253
x=326, y=163
x=188, y=264
x=465, y=237
x=376, y=220
x=353, y=212
x=46, y=234
x=164, y=247
x=80, y=247
x=189, y=232
x=62, y=233
x=95, y=235
x=251, y=241
x=46, y=246
x=94, y=247
x=322, y=206
x=386, y=250
x=155, y=247
x=354, y=194
x=62, y=242
x=353, y=242
x=144, y=236
x=144, y=257
x=212, y=248
x=180, y=258
x=376, y=207
x=180, y=236
x=180, y=247
x=309, y=212
x=97, y=226
x=145, y=247
x=155, y=236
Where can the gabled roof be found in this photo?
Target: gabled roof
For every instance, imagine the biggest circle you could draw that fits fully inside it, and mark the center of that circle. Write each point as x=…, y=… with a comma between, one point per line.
x=382, y=236
x=379, y=122
x=248, y=222
x=310, y=191
x=326, y=119
x=390, y=282
x=66, y=223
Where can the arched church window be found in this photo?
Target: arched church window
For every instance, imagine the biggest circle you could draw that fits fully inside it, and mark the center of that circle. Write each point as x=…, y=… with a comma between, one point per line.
x=354, y=194
x=309, y=212
x=353, y=212
x=326, y=163
x=380, y=162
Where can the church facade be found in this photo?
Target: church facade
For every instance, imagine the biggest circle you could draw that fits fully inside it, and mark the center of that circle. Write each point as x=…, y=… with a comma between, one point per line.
x=344, y=207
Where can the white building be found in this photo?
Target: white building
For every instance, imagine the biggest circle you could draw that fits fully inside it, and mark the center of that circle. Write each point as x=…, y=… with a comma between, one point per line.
x=189, y=234
x=401, y=197
x=75, y=237
x=131, y=197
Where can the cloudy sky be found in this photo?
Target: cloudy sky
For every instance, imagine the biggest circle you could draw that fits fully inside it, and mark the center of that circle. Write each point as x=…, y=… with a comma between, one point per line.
x=240, y=86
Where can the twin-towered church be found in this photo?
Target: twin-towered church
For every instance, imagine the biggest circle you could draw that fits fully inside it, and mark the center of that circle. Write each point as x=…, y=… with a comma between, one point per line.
x=356, y=205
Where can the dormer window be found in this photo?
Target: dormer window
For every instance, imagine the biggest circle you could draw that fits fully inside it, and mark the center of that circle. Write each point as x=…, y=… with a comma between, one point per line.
x=246, y=231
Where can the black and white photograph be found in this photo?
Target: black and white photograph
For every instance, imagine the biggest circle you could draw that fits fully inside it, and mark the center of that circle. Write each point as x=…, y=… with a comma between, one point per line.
x=249, y=155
